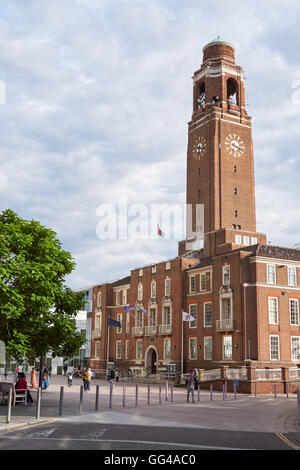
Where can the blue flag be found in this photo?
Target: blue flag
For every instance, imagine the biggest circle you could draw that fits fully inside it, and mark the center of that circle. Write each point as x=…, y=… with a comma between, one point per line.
x=112, y=322
x=143, y=310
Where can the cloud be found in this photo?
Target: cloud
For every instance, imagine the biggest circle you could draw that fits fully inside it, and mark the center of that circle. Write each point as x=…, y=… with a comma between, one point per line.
x=98, y=96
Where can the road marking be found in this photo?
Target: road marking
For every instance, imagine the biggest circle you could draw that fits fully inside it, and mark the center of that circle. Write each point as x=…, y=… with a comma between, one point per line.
x=287, y=441
x=126, y=441
x=27, y=426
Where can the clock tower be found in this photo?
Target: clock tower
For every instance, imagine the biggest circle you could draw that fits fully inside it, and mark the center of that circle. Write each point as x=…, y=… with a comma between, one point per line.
x=220, y=166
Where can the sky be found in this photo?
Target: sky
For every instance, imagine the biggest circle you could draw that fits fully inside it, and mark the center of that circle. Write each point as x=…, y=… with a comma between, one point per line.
x=98, y=95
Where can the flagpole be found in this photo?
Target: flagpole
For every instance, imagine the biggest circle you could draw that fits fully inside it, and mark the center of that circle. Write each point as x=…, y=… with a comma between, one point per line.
x=181, y=341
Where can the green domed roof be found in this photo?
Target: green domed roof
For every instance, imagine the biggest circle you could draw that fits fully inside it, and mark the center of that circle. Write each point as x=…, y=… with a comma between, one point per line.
x=218, y=40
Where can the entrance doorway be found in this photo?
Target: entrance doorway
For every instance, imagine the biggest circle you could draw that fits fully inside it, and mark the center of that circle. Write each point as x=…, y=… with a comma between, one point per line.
x=151, y=361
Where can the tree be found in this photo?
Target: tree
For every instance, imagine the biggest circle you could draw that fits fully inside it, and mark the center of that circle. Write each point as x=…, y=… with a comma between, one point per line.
x=37, y=309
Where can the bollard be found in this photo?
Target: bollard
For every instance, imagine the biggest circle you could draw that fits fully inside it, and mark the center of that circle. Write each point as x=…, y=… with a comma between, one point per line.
x=234, y=390
x=198, y=392
x=167, y=390
x=8, y=416
x=110, y=395
x=81, y=399
x=136, y=394
x=38, y=404
x=275, y=394
x=172, y=397
x=223, y=391
x=97, y=398
x=225, y=388
x=287, y=390
x=211, y=391
x=61, y=400
x=124, y=392
x=159, y=394
x=298, y=403
x=148, y=397
x=255, y=389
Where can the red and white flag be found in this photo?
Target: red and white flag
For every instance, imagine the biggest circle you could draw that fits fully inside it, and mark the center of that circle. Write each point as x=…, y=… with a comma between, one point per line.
x=160, y=232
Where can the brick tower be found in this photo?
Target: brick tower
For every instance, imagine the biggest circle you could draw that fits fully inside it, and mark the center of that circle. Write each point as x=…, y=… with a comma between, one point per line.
x=220, y=166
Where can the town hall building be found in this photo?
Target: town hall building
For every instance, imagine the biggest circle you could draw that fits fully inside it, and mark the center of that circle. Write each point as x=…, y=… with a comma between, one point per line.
x=242, y=293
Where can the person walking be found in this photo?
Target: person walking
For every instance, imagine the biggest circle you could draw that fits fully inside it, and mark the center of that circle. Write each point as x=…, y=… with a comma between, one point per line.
x=190, y=384
x=45, y=378
x=65, y=367
x=33, y=378
x=86, y=377
x=117, y=376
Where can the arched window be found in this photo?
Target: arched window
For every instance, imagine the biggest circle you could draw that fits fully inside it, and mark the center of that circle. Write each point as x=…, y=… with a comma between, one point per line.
x=232, y=92
x=201, y=96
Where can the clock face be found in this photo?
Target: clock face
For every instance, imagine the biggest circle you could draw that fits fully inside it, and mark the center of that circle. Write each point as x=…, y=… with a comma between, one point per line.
x=199, y=147
x=234, y=145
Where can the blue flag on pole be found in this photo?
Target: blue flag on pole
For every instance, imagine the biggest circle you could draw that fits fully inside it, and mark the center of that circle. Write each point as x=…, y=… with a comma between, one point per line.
x=143, y=310
x=112, y=322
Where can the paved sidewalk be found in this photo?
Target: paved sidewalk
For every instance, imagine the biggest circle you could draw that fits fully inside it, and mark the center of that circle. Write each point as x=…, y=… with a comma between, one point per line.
x=260, y=414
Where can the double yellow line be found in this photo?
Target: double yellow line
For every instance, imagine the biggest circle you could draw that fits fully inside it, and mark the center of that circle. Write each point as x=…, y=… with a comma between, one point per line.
x=287, y=441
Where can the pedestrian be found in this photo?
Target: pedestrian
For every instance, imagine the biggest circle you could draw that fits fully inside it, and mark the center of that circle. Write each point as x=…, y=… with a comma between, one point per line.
x=190, y=383
x=70, y=379
x=22, y=385
x=33, y=378
x=86, y=377
x=65, y=367
x=108, y=375
x=117, y=376
x=45, y=378
x=129, y=374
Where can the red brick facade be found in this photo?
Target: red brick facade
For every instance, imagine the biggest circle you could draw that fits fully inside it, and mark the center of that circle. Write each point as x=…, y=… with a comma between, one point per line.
x=243, y=293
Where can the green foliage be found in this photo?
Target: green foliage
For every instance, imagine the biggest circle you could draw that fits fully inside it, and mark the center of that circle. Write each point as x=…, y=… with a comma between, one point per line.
x=37, y=311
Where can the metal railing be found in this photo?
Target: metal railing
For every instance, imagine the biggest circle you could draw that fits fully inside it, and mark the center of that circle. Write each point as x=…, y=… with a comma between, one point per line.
x=225, y=325
x=150, y=330
x=137, y=331
x=268, y=374
x=294, y=373
x=165, y=329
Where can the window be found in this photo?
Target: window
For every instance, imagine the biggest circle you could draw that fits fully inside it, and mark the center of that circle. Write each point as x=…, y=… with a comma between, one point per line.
x=167, y=286
x=98, y=323
x=202, y=282
x=193, y=348
x=152, y=317
x=127, y=349
x=118, y=298
x=118, y=349
x=139, y=349
x=295, y=345
x=193, y=312
x=207, y=314
x=140, y=272
x=140, y=292
x=97, y=349
x=271, y=274
x=253, y=241
x=227, y=347
x=294, y=311
x=238, y=239
x=99, y=299
x=246, y=240
x=127, y=322
x=226, y=310
x=226, y=275
x=167, y=348
x=208, y=348
x=192, y=284
x=292, y=276
x=139, y=316
x=274, y=348
x=119, y=319
x=167, y=316
x=153, y=269
x=273, y=310
x=168, y=265
x=153, y=289
x=125, y=296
